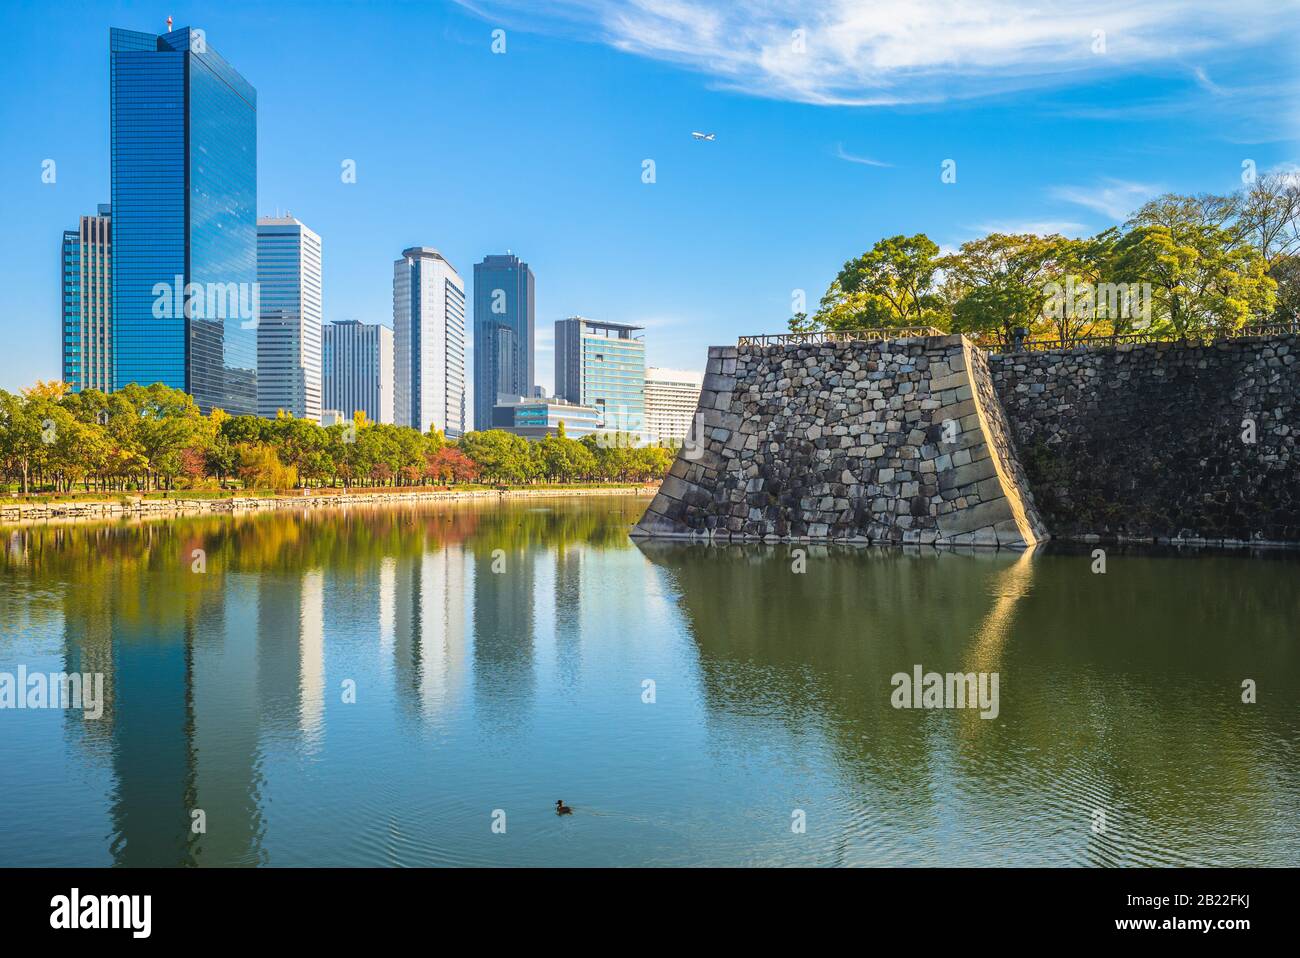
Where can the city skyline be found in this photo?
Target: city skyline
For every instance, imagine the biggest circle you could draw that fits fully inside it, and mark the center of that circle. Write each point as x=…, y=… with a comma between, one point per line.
x=183, y=166
x=575, y=203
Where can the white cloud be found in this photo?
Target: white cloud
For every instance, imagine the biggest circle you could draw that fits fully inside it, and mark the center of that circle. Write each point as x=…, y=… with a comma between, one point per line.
x=842, y=154
x=1205, y=83
x=1037, y=227
x=1113, y=198
x=897, y=51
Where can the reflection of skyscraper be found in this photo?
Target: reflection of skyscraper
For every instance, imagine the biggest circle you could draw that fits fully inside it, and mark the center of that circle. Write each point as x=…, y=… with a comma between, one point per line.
x=387, y=604
x=503, y=333
x=428, y=342
x=429, y=628
x=224, y=728
x=503, y=629
x=151, y=747
x=568, y=611
x=184, y=174
x=311, y=655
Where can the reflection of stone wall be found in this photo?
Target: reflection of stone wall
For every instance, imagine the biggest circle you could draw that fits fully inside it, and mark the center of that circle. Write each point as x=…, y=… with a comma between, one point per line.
x=1145, y=441
x=898, y=441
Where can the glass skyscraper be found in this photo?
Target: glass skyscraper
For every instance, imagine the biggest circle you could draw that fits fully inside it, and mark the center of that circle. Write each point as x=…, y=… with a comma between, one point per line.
x=289, y=327
x=358, y=370
x=602, y=365
x=88, y=303
x=428, y=343
x=503, y=333
x=184, y=171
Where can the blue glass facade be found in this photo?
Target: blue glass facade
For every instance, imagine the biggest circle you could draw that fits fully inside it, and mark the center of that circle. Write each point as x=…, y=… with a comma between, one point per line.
x=537, y=418
x=503, y=333
x=184, y=172
x=602, y=364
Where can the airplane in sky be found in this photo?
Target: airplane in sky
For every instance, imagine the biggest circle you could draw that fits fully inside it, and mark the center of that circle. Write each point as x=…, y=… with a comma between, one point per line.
x=704, y=136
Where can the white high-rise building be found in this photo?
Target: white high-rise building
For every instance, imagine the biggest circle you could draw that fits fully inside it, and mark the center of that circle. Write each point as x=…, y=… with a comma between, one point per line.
x=358, y=361
x=289, y=318
x=671, y=398
x=428, y=342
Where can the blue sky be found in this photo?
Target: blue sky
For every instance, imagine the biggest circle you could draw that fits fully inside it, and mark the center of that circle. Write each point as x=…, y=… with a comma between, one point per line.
x=827, y=139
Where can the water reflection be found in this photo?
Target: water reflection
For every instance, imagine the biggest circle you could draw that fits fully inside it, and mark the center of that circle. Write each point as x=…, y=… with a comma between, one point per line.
x=1119, y=694
x=498, y=651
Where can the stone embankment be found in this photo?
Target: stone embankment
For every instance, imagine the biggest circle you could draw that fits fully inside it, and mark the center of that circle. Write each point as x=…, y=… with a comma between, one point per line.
x=900, y=441
x=1182, y=442
x=137, y=507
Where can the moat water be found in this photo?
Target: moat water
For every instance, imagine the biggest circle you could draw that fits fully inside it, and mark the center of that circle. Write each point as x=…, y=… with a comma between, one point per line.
x=418, y=685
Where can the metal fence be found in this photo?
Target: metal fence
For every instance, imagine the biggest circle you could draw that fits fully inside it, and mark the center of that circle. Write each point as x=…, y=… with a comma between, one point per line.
x=998, y=345
x=839, y=336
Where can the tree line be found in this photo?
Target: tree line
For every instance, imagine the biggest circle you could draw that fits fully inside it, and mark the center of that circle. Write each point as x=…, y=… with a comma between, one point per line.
x=1180, y=266
x=149, y=438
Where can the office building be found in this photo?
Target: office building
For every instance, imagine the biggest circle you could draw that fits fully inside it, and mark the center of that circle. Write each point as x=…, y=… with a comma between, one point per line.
x=183, y=132
x=289, y=320
x=671, y=398
x=535, y=418
x=602, y=365
x=88, y=303
x=503, y=333
x=428, y=342
x=357, y=361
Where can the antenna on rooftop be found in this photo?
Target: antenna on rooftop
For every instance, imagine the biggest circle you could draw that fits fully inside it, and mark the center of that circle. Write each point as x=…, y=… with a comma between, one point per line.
x=169, y=24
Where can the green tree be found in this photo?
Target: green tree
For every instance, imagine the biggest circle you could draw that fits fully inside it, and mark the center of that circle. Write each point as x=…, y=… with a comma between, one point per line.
x=998, y=282
x=890, y=285
x=1204, y=276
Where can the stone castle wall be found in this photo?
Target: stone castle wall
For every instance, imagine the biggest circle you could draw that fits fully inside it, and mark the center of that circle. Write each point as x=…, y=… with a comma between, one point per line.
x=896, y=441
x=1146, y=441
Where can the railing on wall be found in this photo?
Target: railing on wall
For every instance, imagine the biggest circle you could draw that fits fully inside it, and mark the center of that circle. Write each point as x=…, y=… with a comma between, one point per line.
x=839, y=336
x=998, y=345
